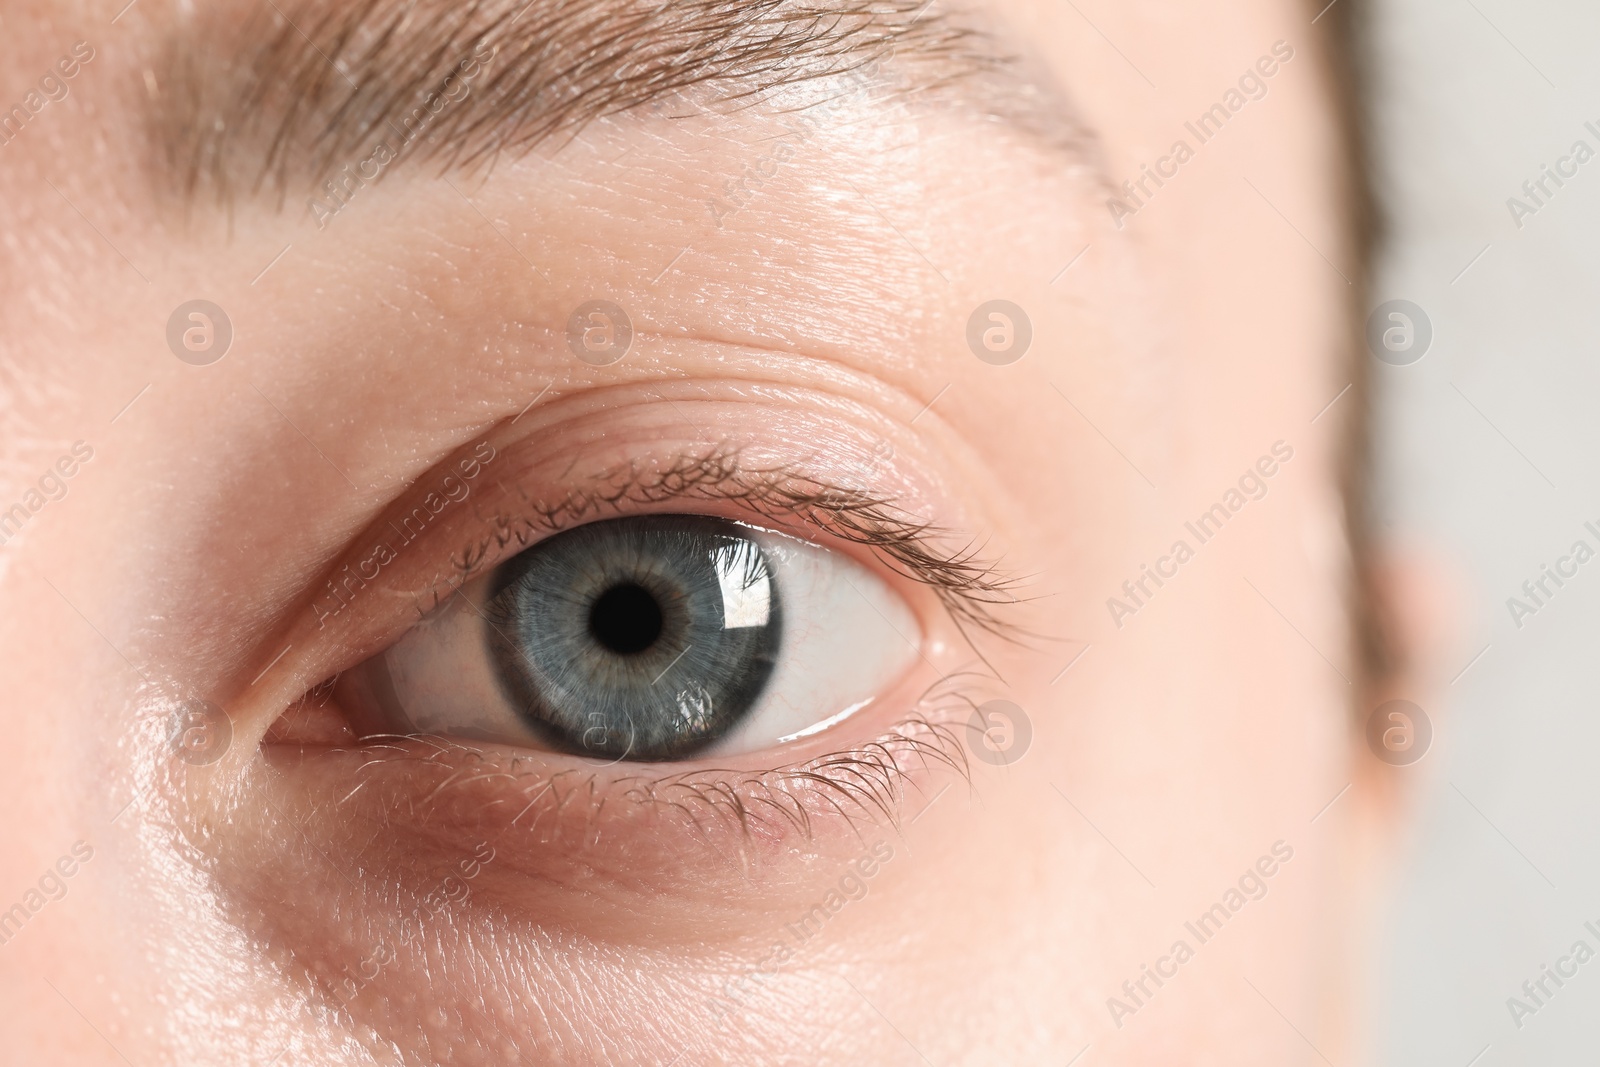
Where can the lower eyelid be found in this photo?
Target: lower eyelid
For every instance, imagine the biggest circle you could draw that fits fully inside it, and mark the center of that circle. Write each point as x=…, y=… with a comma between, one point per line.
x=640, y=827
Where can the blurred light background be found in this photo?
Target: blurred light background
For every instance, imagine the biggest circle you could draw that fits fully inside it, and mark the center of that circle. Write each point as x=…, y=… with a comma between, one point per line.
x=1489, y=453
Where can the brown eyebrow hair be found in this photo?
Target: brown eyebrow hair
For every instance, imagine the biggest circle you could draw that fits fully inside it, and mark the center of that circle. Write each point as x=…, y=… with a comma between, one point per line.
x=284, y=95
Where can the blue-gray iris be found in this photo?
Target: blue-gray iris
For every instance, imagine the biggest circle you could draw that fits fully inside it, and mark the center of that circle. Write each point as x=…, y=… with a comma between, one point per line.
x=644, y=638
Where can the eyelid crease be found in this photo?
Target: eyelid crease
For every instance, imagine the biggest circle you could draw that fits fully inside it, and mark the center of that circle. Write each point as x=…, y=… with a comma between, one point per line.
x=968, y=587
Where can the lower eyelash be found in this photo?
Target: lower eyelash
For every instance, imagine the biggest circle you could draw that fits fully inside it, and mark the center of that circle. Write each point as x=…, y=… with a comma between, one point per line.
x=870, y=779
x=866, y=783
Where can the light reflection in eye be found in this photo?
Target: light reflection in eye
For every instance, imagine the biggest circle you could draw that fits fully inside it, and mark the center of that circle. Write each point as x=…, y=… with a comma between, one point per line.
x=695, y=708
x=746, y=585
x=831, y=720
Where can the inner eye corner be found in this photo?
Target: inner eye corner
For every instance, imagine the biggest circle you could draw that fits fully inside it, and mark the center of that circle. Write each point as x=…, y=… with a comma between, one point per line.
x=315, y=717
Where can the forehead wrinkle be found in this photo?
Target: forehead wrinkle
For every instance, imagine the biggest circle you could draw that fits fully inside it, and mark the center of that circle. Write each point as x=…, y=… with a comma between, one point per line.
x=278, y=95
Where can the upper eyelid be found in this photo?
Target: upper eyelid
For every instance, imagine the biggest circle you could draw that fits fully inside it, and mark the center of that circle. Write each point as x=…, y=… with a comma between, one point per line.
x=969, y=587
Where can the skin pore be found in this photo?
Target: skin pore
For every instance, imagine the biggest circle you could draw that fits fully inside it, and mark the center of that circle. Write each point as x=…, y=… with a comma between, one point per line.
x=799, y=211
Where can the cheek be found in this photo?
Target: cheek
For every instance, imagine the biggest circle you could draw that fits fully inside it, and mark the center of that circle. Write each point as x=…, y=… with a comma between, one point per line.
x=542, y=953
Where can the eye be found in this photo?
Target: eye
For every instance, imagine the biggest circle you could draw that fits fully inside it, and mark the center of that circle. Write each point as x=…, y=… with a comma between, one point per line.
x=655, y=637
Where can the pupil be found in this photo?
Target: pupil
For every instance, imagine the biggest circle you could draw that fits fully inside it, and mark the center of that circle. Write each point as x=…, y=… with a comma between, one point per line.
x=626, y=619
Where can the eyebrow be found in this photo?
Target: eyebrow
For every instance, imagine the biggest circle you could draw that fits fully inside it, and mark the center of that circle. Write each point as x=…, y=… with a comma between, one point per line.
x=278, y=96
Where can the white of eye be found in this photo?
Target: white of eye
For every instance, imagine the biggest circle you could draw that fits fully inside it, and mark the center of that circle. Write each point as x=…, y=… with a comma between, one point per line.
x=847, y=638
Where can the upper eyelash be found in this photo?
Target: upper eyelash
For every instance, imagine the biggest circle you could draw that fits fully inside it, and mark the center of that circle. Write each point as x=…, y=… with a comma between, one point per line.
x=969, y=587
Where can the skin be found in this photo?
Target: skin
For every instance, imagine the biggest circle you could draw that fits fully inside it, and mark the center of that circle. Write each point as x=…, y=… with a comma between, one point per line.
x=225, y=906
